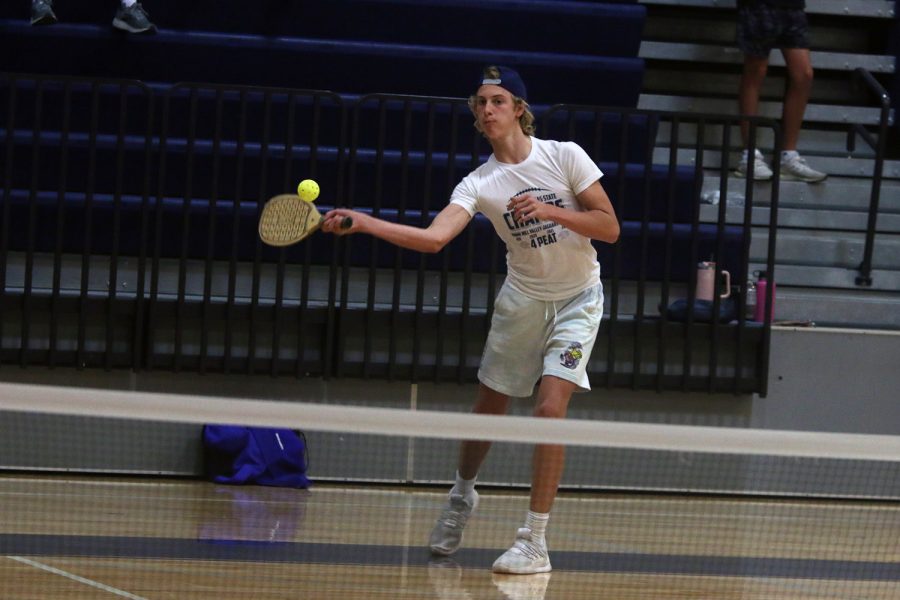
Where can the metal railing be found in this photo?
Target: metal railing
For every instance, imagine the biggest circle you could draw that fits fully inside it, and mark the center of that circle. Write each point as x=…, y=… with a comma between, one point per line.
x=878, y=143
x=151, y=218
x=636, y=141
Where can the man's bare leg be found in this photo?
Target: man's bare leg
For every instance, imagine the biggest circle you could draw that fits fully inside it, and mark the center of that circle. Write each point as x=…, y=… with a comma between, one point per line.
x=529, y=554
x=548, y=459
x=473, y=452
x=796, y=97
x=752, y=78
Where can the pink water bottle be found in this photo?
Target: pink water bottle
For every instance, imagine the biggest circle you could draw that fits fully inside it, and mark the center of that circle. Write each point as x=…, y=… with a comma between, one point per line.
x=761, y=289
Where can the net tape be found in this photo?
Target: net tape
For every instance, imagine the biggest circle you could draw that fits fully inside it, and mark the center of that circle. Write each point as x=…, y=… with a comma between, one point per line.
x=181, y=408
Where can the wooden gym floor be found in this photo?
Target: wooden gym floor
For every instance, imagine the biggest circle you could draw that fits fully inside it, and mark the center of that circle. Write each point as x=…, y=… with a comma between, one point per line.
x=66, y=537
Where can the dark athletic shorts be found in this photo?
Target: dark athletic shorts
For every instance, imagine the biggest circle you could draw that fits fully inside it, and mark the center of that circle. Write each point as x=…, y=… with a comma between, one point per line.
x=761, y=28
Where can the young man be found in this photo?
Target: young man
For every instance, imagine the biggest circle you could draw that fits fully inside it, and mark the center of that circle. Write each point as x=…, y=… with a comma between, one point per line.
x=763, y=25
x=545, y=201
x=130, y=16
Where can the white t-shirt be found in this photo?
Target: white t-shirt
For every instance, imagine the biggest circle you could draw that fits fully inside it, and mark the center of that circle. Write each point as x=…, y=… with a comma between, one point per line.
x=544, y=260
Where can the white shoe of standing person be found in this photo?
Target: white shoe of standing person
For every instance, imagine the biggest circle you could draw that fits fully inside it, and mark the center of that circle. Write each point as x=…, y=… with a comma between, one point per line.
x=527, y=556
x=761, y=171
x=796, y=169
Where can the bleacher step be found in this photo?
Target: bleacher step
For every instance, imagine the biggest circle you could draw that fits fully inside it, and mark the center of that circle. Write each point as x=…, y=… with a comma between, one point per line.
x=879, y=9
x=818, y=276
x=863, y=308
x=821, y=113
x=809, y=218
x=667, y=79
x=833, y=165
x=828, y=259
x=708, y=53
x=812, y=141
x=835, y=193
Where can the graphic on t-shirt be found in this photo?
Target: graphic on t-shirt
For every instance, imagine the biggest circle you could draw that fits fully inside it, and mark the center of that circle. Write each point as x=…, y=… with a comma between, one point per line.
x=534, y=233
x=572, y=356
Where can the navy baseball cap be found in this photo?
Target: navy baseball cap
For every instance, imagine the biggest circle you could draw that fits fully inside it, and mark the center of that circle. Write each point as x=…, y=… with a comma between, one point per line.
x=508, y=79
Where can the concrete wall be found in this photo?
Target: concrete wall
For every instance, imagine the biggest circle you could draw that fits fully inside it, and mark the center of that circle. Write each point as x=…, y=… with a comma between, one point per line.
x=832, y=380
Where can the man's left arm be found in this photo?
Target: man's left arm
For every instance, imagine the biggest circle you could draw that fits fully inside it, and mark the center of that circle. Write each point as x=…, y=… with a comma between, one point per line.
x=597, y=219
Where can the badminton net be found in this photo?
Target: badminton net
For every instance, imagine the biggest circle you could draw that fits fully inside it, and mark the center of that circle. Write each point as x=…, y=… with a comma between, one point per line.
x=104, y=492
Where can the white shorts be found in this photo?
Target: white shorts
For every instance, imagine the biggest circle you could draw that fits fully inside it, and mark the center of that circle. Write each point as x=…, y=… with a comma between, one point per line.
x=531, y=338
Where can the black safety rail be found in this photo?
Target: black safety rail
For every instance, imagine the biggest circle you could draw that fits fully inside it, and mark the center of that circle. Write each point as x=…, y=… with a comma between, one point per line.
x=224, y=150
x=129, y=237
x=75, y=154
x=864, y=79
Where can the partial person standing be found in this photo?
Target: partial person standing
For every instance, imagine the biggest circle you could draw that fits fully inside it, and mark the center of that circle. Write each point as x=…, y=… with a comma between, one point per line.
x=545, y=201
x=763, y=25
x=130, y=16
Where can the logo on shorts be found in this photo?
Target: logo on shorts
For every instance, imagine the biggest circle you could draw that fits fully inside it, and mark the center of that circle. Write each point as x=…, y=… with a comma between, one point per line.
x=572, y=356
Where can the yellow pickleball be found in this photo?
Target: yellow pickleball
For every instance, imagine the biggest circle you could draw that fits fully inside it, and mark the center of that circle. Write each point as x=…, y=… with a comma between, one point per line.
x=308, y=190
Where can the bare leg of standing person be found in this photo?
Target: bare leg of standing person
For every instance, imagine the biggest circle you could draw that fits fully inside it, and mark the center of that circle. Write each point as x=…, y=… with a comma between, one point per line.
x=752, y=78
x=528, y=553
x=796, y=97
x=548, y=462
x=473, y=452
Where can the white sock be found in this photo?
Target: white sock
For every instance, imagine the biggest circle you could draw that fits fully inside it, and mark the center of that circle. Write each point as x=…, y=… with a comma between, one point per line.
x=787, y=155
x=537, y=523
x=463, y=487
x=127, y=3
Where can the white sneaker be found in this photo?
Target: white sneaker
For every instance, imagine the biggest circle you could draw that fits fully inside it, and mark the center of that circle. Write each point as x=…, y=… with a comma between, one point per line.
x=761, y=171
x=447, y=533
x=796, y=169
x=526, y=556
x=514, y=587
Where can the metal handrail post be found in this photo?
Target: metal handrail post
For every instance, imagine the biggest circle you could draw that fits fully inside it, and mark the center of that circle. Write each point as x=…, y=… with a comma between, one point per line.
x=878, y=144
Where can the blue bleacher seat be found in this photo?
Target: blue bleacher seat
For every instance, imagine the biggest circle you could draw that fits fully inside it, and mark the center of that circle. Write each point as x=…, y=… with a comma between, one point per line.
x=353, y=46
x=560, y=26
x=306, y=63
